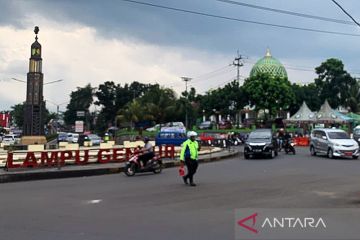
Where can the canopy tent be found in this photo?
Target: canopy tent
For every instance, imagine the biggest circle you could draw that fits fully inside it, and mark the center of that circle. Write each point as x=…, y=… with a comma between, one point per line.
x=354, y=116
x=327, y=114
x=344, y=117
x=304, y=114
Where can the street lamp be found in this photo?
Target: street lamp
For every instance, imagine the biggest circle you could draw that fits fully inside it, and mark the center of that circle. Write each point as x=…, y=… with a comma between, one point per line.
x=18, y=80
x=186, y=80
x=57, y=112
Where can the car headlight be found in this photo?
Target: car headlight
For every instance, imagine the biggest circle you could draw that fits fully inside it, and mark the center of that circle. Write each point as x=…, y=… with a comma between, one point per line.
x=336, y=145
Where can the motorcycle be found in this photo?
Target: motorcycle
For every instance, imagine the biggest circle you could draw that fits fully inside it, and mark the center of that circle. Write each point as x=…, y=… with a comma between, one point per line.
x=289, y=146
x=133, y=165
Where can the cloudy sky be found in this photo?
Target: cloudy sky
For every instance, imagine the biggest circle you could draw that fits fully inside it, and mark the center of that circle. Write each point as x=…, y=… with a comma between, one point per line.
x=113, y=40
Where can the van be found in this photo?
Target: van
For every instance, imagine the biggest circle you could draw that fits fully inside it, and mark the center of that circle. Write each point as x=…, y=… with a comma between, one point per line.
x=170, y=138
x=333, y=143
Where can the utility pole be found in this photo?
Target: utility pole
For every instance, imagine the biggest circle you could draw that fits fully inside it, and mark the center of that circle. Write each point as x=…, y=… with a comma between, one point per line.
x=237, y=63
x=186, y=80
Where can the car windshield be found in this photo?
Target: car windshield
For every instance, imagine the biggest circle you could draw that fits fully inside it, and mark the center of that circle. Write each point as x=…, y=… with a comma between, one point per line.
x=260, y=135
x=338, y=135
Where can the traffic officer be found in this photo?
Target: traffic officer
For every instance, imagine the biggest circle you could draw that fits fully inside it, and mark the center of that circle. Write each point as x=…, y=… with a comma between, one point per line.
x=189, y=156
x=106, y=137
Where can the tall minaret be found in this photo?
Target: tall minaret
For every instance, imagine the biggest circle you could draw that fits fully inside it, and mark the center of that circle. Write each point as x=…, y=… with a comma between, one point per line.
x=34, y=107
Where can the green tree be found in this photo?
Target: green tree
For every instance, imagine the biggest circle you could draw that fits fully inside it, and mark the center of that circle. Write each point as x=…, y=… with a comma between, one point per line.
x=333, y=82
x=17, y=113
x=114, y=97
x=308, y=93
x=80, y=100
x=353, y=99
x=267, y=92
x=133, y=112
x=160, y=104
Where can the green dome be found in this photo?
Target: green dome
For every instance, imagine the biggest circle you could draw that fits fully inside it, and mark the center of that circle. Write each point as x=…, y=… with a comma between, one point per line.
x=270, y=65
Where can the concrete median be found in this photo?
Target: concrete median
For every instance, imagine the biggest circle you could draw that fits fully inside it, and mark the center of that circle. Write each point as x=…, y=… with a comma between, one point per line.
x=95, y=169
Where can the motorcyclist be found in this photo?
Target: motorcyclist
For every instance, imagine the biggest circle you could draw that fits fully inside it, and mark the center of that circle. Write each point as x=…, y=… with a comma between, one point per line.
x=147, y=152
x=280, y=137
x=287, y=139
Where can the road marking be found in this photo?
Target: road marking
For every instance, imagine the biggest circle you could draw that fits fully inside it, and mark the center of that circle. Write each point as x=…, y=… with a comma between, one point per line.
x=95, y=201
x=326, y=194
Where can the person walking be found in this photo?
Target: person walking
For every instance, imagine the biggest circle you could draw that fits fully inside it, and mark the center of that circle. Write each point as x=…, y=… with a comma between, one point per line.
x=189, y=157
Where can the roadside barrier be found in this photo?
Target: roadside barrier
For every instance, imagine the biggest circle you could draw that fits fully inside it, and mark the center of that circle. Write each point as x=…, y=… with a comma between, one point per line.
x=301, y=141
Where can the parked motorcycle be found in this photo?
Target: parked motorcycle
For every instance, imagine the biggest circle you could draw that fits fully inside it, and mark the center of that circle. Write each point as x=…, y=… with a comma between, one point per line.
x=133, y=165
x=288, y=146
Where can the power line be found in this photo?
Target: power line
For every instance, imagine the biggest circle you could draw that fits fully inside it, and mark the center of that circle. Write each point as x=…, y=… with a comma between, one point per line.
x=213, y=75
x=348, y=14
x=242, y=20
x=287, y=12
x=214, y=72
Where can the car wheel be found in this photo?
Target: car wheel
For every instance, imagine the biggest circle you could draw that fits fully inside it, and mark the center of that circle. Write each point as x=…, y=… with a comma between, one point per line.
x=330, y=153
x=272, y=154
x=312, y=151
x=355, y=157
x=246, y=156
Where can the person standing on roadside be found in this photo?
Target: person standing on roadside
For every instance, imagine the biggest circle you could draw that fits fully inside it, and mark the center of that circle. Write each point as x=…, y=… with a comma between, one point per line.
x=189, y=156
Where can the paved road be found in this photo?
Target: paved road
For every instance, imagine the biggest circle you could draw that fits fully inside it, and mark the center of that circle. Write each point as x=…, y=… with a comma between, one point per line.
x=161, y=207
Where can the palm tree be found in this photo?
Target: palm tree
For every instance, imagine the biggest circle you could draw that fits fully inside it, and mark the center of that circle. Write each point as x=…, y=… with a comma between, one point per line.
x=133, y=112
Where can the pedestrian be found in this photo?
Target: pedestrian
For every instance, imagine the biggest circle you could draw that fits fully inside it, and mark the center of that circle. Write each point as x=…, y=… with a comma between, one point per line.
x=189, y=157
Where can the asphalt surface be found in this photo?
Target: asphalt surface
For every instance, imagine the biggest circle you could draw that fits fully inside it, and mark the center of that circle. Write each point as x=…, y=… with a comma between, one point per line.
x=160, y=206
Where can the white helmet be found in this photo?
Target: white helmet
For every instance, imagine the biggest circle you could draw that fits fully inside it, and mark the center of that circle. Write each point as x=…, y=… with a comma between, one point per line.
x=191, y=134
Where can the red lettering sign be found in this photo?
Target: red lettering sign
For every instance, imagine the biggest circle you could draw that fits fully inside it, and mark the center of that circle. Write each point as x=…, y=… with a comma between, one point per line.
x=10, y=161
x=30, y=160
x=85, y=158
x=49, y=161
x=65, y=155
x=80, y=157
x=118, y=155
x=101, y=156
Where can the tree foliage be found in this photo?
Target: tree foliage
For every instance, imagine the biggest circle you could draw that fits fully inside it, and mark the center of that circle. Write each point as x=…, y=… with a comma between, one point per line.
x=80, y=100
x=267, y=92
x=333, y=82
x=17, y=113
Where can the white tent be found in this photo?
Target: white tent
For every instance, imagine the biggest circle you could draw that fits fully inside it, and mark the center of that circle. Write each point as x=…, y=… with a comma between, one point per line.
x=304, y=114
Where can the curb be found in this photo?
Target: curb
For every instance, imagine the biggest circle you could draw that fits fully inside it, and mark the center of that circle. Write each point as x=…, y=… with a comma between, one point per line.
x=31, y=176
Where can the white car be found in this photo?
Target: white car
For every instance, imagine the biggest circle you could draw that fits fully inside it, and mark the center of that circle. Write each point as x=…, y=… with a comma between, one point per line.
x=73, y=137
x=333, y=143
x=154, y=128
x=9, y=140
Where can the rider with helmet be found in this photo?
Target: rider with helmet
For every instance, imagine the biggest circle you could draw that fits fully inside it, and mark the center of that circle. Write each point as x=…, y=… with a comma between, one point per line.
x=189, y=156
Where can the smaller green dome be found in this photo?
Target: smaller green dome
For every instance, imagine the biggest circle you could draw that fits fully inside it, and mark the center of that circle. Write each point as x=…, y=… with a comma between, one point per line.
x=270, y=65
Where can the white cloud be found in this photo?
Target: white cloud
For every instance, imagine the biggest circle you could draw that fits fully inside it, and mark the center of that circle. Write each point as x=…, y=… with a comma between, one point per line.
x=79, y=55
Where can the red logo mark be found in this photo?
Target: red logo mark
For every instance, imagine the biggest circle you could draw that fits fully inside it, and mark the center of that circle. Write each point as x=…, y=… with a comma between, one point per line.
x=242, y=223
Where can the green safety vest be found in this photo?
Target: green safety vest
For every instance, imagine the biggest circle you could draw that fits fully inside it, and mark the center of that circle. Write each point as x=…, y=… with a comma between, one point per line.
x=193, y=148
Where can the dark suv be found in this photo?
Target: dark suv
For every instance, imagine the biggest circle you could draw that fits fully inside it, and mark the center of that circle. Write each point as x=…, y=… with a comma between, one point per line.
x=261, y=142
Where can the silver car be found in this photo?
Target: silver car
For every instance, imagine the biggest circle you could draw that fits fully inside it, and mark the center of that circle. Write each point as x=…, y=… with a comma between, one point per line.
x=333, y=143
